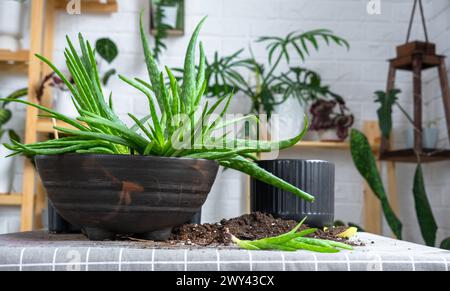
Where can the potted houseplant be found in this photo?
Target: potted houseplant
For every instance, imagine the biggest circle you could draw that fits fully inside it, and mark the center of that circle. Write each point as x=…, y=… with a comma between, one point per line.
x=270, y=90
x=6, y=164
x=331, y=119
x=109, y=179
x=11, y=21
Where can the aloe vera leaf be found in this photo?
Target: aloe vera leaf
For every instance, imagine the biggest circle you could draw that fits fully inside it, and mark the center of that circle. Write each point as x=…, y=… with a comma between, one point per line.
x=306, y=232
x=324, y=243
x=189, y=82
x=252, y=169
x=125, y=132
x=314, y=248
x=95, y=135
x=201, y=68
x=152, y=68
x=54, y=114
x=364, y=161
x=156, y=122
x=244, y=244
x=339, y=245
x=427, y=223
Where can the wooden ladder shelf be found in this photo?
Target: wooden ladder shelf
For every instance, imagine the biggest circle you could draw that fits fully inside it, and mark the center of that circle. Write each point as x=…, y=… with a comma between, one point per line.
x=42, y=25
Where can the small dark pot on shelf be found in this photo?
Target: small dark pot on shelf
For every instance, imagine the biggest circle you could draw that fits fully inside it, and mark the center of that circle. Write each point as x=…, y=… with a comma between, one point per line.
x=110, y=195
x=312, y=176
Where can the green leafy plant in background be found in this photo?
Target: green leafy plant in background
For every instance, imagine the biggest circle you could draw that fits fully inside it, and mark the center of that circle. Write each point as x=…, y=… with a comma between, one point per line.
x=271, y=88
x=160, y=32
x=427, y=223
x=108, y=51
x=293, y=241
x=102, y=132
x=364, y=161
x=6, y=114
x=386, y=101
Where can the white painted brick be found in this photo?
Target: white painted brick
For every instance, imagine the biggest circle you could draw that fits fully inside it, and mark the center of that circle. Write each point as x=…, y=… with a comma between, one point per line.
x=253, y=9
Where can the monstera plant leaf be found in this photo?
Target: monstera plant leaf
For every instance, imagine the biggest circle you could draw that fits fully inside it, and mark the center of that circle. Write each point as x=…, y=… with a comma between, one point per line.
x=427, y=223
x=386, y=100
x=364, y=160
x=107, y=49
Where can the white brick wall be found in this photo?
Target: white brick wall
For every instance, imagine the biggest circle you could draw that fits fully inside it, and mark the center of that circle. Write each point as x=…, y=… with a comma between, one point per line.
x=232, y=24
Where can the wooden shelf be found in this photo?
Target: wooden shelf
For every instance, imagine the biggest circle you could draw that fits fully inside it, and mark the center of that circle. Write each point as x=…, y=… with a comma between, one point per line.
x=170, y=32
x=10, y=56
x=322, y=144
x=94, y=6
x=13, y=199
x=409, y=156
x=14, y=62
x=46, y=125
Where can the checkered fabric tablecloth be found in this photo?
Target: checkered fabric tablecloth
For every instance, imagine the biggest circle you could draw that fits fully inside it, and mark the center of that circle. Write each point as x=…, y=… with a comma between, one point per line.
x=37, y=251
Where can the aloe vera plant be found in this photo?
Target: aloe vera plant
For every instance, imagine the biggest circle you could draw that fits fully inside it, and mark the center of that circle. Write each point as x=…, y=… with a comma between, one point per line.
x=183, y=129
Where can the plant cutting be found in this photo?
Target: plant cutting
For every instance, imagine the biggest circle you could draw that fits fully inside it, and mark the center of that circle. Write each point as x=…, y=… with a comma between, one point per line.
x=6, y=165
x=111, y=179
x=292, y=241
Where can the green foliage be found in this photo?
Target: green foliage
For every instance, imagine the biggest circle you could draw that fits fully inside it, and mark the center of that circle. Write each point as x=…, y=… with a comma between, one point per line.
x=108, y=74
x=292, y=241
x=6, y=114
x=386, y=101
x=184, y=129
x=445, y=244
x=427, y=223
x=226, y=74
x=160, y=33
x=364, y=161
x=106, y=49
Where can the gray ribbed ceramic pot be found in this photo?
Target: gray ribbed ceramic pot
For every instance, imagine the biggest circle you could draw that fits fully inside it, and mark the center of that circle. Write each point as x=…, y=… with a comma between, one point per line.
x=316, y=177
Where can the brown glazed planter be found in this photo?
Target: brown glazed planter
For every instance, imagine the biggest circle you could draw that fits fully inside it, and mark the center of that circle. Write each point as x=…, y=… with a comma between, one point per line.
x=107, y=195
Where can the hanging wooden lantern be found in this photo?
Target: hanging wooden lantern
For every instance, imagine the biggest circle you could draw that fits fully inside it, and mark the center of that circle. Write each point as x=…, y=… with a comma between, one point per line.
x=416, y=57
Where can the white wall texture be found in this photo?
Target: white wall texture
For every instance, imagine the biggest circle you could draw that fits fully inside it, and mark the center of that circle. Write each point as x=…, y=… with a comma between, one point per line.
x=355, y=74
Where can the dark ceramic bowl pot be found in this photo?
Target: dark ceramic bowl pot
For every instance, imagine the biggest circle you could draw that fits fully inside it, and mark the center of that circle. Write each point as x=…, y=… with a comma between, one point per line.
x=312, y=176
x=107, y=195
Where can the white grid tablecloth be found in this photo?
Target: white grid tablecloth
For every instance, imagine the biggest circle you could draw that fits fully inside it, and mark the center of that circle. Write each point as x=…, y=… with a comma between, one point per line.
x=37, y=251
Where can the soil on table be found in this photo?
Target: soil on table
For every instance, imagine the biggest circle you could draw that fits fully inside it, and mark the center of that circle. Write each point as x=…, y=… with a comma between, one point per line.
x=246, y=227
